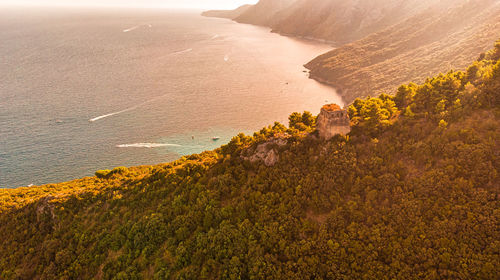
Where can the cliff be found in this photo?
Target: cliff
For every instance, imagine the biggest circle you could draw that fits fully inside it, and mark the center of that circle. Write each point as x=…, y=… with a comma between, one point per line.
x=436, y=40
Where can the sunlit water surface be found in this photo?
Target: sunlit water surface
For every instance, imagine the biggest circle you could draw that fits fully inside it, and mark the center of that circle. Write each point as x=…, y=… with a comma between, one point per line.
x=95, y=89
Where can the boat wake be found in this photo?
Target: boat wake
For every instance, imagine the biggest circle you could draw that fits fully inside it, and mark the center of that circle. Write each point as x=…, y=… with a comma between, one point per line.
x=131, y=29
x=112, y=114
x=147, y=145
x=136, y=27
x=126, y=110
x=214, y=37
x=181, y=52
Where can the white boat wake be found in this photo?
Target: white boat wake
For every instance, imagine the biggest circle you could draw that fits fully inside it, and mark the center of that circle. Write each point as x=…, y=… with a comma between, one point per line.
x=176, y=53
x=131, y=29
x=181, y=52
x=112, y=114
x=147, y=145
x=136, y=27
x=125, y=110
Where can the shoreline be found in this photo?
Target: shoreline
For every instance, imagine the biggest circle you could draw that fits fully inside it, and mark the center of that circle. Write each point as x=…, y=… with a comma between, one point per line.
x=332, y=44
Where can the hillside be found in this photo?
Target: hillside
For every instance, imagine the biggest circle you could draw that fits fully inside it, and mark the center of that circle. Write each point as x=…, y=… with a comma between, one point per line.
x=426, y=44
x=383, y=43
x=264, y=12
x=330, y=20
x=335, y=21
x=229, y=14
x=342, y=21
x=412, y=192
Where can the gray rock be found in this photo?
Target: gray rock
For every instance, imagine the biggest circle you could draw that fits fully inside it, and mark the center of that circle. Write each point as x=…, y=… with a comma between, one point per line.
x=266, y=153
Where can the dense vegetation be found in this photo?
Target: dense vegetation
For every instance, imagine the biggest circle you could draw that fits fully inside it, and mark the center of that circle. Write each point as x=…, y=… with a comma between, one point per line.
x=412, y=193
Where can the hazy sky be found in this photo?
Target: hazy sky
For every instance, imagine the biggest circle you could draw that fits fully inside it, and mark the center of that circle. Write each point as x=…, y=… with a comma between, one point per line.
x=199, y=4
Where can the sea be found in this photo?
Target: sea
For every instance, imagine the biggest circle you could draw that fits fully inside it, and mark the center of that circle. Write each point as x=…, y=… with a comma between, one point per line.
x=86, y=89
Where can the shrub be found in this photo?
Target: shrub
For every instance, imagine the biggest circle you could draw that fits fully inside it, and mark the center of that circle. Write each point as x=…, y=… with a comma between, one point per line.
x=101, y=174
x=120, y=170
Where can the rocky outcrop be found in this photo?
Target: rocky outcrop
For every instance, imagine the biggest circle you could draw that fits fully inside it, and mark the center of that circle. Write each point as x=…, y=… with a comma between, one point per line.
x=332, y=120
x=45, y=208
x=267, y=152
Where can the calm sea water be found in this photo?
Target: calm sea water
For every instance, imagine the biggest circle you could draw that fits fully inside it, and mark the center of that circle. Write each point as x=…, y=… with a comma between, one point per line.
x=83, y=90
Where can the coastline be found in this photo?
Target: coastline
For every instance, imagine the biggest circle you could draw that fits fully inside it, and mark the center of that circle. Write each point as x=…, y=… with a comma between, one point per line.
x=333, y=45
x=110, y=139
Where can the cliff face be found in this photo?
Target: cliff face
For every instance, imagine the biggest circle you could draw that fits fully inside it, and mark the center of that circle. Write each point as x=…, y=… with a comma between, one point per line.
x=448, y=36
x=332, y=120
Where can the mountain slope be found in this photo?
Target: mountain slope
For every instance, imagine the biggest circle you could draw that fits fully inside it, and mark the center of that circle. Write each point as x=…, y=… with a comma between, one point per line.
x=342, y=21
x=413, y=192
x=264, y=12
x=333, y=20
x=230, y=14
x=400, y=41
x=426, y=44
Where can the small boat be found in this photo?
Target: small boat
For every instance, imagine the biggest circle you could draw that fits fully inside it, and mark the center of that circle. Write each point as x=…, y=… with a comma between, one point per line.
x=215, y=138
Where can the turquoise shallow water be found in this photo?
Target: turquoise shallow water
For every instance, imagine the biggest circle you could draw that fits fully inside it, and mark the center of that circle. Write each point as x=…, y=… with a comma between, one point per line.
x=83, y=90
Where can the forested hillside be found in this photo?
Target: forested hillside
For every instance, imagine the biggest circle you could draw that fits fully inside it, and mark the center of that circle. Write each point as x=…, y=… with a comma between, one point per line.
x=412, y=192
x=448, y=36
